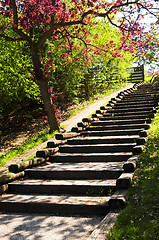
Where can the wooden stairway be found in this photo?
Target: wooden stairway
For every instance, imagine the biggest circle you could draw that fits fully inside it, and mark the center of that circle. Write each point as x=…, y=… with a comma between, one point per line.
x=89, y=174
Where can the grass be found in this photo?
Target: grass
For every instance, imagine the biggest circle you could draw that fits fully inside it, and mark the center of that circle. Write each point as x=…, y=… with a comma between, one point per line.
x=32, y=142
x=140, y=219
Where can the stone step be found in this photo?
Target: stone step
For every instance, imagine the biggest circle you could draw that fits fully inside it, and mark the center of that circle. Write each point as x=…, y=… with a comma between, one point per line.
x=118, y=122
x=102, y=140
x=55, y=204
x=51, y=187
x=95, y=132
x=91, y=157
x=97, y=148
x=118, y=127
x=93, y=170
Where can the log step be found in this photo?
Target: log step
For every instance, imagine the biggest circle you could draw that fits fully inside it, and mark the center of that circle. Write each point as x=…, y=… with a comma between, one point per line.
x=131, y=113
x=102, y=140
x=118, y=122
x=97, y=148
x=96, y=132
x=91, y=157
x=116, y=117
x=134, y=102
x=95, y=170
x=135, y=109
x=56, y=204
x=34, y=186
x=118, y=127
x=133, y=106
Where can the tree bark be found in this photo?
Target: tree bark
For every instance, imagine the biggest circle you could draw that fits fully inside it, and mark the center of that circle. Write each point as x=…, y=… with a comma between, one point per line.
x=43, y=85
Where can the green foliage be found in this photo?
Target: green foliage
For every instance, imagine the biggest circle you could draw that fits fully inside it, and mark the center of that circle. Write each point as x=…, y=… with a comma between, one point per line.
x=111, y=67
x=16, y=83
x=71, y=78
x=140, y=219
x=74, y=80
x=148, y=78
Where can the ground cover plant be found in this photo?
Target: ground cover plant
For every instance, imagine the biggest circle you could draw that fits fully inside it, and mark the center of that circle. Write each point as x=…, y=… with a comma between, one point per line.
x=29, y=144
x=140, y=219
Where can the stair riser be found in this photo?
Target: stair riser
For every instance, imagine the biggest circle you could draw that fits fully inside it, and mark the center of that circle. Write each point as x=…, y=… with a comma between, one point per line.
x=54, y=208
x=109, y=158
x=135, y=109
x=134, y=102
x=127, y=103
x=96, y=149
x=147, y=116
x=100, y=141
x=137, y=98
x=39, y=189
x=104, y=128
x=133, y=106
x=63, y=175
x=127, y=114
x=141, y=94
x=112, y=133
x=122, y=122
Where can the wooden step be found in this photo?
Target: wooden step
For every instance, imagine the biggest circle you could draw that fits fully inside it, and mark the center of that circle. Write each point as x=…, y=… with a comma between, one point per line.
x=134, y=108
x=95, y=132
x=125, y=117
x=130, y=106
x=102, y=140
x=142, y=94
x=51, y=187
x=137, y=98
x=130, y=114
x=118, y=122
x=97, y=148
x=134, y=102
x=93, y=170
x=55, y=204
x=118, y=127
x=91, y=157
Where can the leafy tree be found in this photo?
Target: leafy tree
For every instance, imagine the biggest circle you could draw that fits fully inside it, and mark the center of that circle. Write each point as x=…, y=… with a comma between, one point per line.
x=16, y=83
x=35, y=21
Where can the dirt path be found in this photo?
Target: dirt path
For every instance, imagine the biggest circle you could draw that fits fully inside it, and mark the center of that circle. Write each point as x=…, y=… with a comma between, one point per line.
x=68, y=124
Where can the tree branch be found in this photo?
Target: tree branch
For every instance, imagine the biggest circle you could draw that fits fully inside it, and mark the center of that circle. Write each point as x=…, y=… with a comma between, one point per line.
x=53, y=27
x=15, y=13
x=155, y=15
x=109, y=11
x=15, y=19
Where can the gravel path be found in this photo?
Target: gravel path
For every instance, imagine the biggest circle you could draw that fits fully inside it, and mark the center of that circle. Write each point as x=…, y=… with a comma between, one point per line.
x=50, y=227
x=46, y=227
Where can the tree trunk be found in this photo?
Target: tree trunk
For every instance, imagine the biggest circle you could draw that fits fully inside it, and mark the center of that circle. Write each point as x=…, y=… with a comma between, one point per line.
x=43, y=85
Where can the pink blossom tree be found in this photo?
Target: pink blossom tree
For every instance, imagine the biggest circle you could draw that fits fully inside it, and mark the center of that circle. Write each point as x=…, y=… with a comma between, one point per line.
x=37, y=21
